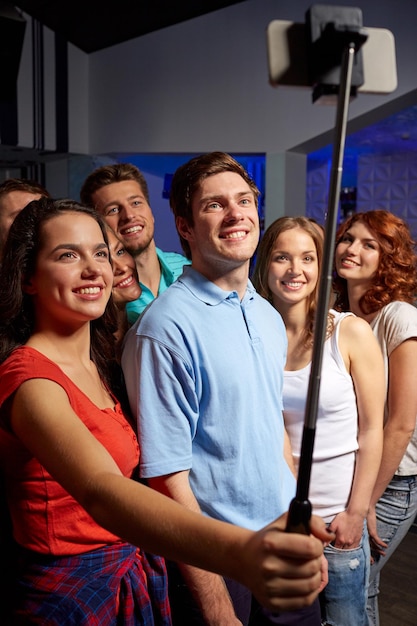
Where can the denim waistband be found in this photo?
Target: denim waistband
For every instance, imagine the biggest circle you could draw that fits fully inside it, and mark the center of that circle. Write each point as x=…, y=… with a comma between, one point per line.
x=406, y=479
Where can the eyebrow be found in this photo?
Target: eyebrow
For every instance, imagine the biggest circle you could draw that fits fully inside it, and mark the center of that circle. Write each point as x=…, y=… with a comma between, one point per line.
x=219, y=196
x=129, y=199
x=76, y=247
x=362, y=238
x=278, y=251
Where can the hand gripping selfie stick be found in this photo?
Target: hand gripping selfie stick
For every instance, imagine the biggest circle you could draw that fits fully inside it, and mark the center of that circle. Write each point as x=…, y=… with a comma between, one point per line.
x=333, y=38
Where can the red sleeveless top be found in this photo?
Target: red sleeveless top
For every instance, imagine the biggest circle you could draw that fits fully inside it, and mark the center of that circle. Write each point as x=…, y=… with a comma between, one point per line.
x=45, y=517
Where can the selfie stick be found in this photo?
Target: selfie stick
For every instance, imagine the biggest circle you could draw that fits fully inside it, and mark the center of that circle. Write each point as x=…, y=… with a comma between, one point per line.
x=300, y=508
x=326, y=53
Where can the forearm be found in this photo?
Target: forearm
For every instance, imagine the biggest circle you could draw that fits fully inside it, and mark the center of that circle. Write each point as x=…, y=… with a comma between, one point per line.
x=402, y=411
x=395, y=444
x=282, y=570
x=348, y=525
x=367, y=464
x=158, y=524
x=288, y=453
x=210, y=592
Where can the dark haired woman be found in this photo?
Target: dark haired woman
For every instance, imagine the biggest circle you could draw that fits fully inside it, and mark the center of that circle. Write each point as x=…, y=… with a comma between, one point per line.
x=376, y=267
x=126, y=287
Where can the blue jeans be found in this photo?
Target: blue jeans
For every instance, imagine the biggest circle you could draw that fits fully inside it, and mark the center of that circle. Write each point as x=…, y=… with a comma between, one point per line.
x=395, y=512
x=343, y=600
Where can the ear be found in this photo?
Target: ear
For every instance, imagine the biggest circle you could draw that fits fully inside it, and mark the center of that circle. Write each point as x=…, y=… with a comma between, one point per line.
x=183, y=228
x=28, y=287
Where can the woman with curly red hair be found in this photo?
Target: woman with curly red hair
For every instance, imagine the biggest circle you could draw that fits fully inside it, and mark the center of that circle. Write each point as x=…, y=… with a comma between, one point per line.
x=376, y=278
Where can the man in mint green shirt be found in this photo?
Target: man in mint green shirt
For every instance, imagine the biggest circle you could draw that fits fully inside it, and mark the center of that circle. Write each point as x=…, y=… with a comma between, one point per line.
x=120, y=193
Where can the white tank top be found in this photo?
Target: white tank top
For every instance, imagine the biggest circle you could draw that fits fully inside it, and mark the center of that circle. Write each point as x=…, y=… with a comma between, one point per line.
x=336, y=433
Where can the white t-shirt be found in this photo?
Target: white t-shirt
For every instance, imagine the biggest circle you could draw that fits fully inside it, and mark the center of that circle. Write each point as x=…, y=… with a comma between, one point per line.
x=395, y=323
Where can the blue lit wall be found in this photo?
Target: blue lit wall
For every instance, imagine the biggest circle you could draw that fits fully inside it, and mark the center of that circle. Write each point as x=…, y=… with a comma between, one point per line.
x=157, y=168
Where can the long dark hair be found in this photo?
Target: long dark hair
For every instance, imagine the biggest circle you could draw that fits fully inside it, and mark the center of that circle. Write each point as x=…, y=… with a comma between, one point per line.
x=17, y=318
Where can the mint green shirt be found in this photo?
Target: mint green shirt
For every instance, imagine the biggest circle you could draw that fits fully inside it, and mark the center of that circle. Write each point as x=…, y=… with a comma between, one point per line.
x=172, y=265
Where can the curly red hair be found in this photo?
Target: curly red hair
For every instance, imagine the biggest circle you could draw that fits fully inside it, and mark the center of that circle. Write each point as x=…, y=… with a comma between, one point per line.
x=396, y=276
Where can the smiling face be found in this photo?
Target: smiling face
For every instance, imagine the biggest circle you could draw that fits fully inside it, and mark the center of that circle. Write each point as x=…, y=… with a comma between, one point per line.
x=73, y=276
x=225, y=232
x=357, y=255
x=126, y=210
x=125, y=282
x=293, y=269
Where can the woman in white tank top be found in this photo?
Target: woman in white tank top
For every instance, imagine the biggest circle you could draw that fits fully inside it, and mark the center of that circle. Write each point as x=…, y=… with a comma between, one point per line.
x=348, y=439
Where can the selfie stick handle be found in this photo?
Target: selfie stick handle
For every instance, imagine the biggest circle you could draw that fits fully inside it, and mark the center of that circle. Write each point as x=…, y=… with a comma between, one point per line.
x=300, y=508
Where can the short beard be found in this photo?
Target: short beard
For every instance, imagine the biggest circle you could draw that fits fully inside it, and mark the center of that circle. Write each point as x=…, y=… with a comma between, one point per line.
x=138, y=250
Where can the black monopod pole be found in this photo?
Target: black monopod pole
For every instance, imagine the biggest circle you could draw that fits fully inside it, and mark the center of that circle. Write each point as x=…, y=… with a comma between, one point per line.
x=300, y=508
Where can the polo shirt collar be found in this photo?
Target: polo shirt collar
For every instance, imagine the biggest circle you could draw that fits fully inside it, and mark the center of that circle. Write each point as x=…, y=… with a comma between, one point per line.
x=206, y=291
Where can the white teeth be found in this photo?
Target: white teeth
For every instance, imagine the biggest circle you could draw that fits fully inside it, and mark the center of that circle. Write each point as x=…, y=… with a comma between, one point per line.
x=125, y=282
x=241, y=233
x=293, y=284
x=89, y=290
x=134, y=229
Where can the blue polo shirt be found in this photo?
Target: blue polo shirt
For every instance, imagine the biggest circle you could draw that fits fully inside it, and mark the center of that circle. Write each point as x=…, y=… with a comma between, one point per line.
x=204, y=373
x=171, y=267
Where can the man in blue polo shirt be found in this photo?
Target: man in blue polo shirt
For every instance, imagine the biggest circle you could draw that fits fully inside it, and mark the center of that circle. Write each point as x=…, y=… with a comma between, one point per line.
x=120, y=193
x=204, y=372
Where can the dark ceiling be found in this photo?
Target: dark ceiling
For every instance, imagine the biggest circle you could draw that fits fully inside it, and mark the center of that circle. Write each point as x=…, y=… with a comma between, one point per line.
x=92, y=25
